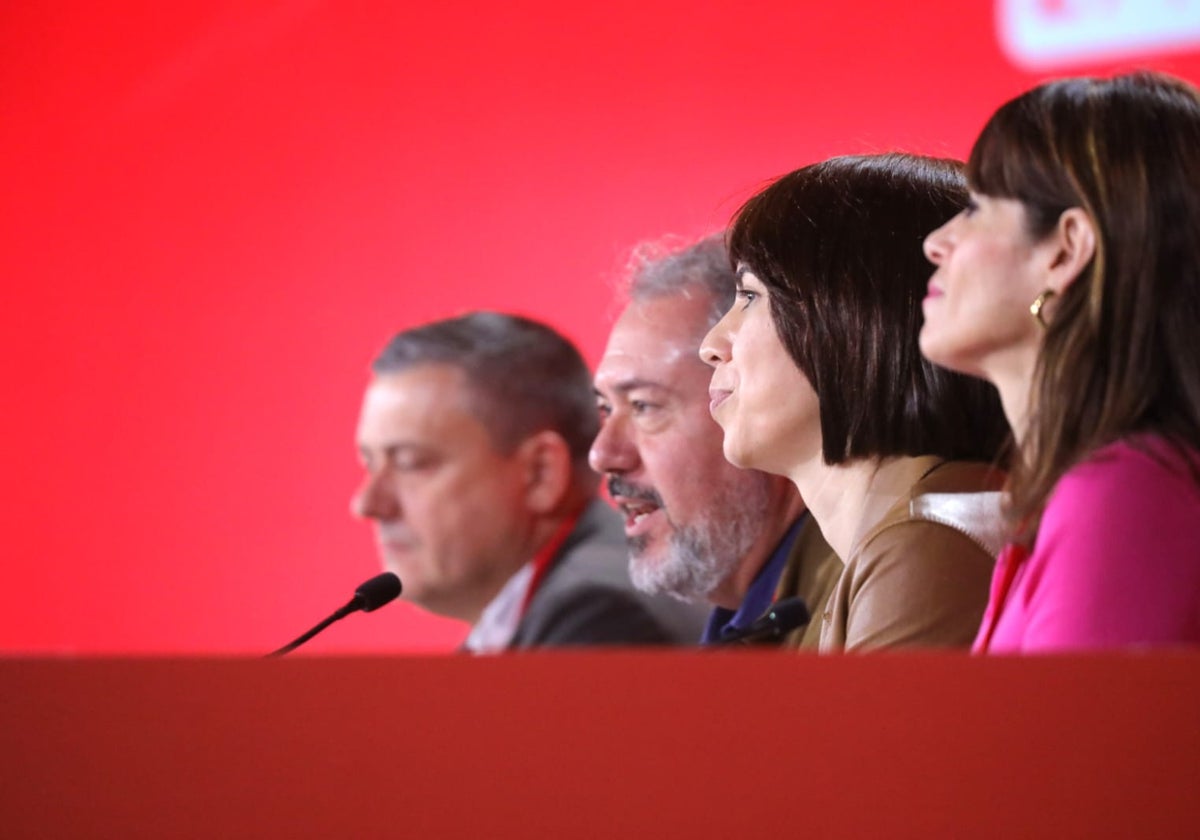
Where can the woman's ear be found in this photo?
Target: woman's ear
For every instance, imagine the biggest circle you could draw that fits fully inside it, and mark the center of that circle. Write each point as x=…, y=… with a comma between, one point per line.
x=548, y=470
x=1074, y=240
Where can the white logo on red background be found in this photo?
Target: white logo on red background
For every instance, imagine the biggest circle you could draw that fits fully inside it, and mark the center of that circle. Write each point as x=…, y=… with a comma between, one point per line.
x=1038, y=34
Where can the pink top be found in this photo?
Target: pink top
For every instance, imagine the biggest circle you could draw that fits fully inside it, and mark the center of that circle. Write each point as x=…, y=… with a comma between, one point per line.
x=1116, y=562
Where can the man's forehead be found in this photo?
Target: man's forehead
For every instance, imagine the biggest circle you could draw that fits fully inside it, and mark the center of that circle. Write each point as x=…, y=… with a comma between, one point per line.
x=411, y=399
x=431, y=381
x=652, y=339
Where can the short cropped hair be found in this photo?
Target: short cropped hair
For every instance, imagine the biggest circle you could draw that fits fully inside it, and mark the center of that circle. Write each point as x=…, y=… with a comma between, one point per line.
x=662, y=268
x=522, y=376
x=838, y=245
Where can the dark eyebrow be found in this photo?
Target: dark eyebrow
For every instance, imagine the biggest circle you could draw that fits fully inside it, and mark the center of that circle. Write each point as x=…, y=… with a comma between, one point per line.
x=626, y=385
x=740, y=282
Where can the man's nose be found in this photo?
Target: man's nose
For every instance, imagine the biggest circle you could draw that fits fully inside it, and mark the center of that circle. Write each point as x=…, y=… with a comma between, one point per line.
x=613, y=450
x=374, y=500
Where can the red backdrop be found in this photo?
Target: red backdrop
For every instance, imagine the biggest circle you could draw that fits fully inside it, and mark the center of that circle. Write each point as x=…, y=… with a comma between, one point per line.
x=214, y=213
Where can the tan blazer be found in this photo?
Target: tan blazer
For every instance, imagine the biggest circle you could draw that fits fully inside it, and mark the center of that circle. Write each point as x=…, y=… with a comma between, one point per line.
x=920, y=577
x=812, y=571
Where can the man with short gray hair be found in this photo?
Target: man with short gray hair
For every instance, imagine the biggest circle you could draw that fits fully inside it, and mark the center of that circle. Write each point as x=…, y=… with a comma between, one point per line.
x=474, y=434
x=697, y=527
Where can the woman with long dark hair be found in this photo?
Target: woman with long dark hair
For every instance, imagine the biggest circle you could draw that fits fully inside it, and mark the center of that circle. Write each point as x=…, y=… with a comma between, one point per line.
x=1072, y=282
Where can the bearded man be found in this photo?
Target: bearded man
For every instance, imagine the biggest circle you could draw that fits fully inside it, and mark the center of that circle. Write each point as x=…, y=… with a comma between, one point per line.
x=697, y=527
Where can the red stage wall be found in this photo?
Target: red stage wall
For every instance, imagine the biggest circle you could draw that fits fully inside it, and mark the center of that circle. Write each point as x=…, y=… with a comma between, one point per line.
x=214, y=213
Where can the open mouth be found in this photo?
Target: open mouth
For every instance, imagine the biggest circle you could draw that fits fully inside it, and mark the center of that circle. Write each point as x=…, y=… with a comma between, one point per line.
x=639, y=505
x=636, y=514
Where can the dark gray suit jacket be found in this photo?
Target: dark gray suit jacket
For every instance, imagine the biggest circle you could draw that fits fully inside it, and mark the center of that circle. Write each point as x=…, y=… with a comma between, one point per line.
x=586, y=597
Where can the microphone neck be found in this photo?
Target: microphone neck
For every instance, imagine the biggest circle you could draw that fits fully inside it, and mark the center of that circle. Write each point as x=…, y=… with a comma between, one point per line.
x=371, y=595
x=772, y=626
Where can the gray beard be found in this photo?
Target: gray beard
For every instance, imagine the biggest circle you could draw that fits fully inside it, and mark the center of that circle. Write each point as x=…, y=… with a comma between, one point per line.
x=700, y=558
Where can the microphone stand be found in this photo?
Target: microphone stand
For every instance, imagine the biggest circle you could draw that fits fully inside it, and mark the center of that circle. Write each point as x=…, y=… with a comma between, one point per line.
x=337, y=616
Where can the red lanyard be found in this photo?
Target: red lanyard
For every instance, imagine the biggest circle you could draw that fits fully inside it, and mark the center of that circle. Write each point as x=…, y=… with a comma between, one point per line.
x=544, y=559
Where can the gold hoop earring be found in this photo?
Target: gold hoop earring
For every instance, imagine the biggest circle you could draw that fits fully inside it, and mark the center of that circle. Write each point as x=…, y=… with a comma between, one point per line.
x=1035, y=308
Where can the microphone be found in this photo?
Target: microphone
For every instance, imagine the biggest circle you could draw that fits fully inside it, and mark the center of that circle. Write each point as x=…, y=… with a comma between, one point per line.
x=370, y=596
x=782, y=618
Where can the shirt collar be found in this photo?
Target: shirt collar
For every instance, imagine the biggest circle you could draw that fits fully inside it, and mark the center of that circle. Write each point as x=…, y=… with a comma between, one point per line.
x=498, y=623
x=759, y=596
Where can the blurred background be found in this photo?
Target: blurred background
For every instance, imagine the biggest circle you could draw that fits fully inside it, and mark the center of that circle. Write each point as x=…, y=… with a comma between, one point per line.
x=215, y=213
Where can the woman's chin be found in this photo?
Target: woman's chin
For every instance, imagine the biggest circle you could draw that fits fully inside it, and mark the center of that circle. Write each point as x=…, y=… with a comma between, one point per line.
x=944, y=352
x=737, y=454
x=933, y=348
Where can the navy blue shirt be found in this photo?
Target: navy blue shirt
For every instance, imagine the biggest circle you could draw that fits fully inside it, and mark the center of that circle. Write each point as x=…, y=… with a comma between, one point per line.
x=759, y=596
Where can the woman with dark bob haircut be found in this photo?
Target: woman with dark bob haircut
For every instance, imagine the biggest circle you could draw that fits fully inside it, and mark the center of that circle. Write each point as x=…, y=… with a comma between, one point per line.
x=818, y=376
x=1072, y=282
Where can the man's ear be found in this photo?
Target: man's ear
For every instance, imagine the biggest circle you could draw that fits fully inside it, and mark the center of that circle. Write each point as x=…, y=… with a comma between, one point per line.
x=1074, y=244
x=548, y=470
